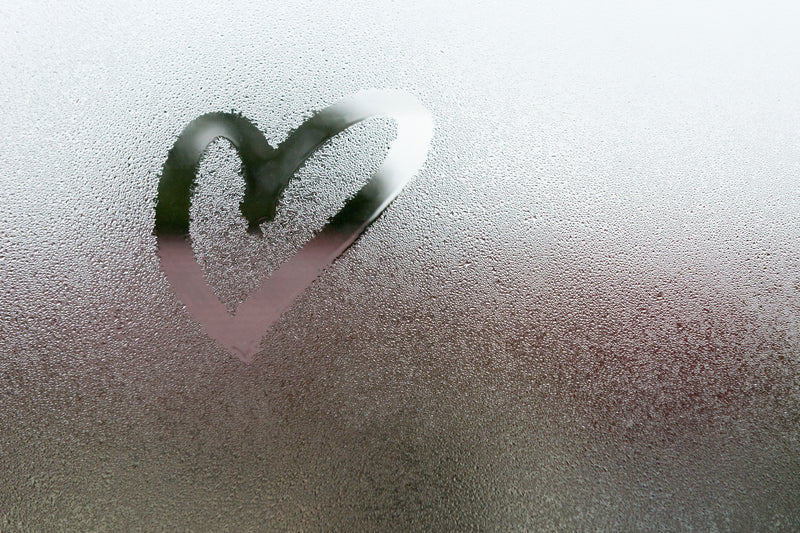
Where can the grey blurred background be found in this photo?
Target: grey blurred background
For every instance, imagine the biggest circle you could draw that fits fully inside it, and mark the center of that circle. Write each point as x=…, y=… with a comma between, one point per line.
x=582, y=314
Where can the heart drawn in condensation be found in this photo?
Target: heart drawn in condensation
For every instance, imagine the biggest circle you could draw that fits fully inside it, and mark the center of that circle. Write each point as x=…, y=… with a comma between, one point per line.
x=267, y=171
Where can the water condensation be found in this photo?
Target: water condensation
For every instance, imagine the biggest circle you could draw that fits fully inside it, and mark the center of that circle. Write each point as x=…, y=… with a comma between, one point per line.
x=582, y=313
x=233, y=261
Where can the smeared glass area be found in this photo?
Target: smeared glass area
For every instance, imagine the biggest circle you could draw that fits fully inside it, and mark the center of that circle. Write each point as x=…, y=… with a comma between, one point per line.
x=267, y=171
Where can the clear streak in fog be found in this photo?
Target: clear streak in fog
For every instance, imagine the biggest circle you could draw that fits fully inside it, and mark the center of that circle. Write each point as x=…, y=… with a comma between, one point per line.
x=267, y=171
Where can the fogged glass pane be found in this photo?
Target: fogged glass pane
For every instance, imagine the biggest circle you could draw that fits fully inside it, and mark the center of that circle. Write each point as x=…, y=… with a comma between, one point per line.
x=582, y=311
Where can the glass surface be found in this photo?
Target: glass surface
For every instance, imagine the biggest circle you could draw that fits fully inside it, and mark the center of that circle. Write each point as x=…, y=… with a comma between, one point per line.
x=581, y=311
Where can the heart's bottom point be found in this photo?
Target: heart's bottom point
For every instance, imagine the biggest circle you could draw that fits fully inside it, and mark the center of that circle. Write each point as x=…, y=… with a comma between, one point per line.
x=244, y=352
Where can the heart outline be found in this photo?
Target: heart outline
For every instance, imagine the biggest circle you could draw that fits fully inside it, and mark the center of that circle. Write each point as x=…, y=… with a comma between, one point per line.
x=267, y=171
